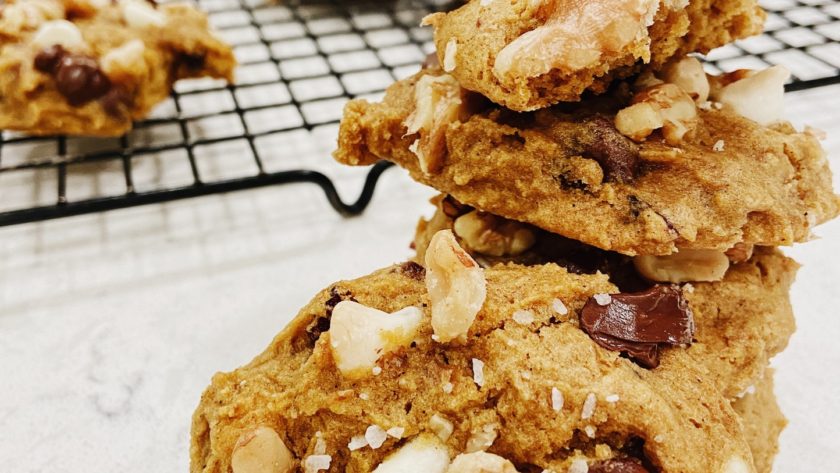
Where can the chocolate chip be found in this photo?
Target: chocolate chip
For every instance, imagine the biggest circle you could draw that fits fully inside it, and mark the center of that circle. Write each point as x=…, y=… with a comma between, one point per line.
x=618, y=465
x=77, y=77
x=115, y=102
x=617, y=155
x=637, y=324
x=413, y=270
x=337, y=296
x=47, y=60
x=193, y=61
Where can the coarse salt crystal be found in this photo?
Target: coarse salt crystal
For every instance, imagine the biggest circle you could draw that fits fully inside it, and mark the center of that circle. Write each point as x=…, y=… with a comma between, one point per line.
x=314, y=463
x=320, y=444
x=588, y=406
x=612, y=398
x=523, y=317
x=478, y=371
x=579, y=466
x=659, y=438
x=556, y=399
x=364, y=396
x=449, y=55
x=719, y=145
x=448, y=387
x=357, y=442
x=525, y=374
x=375, y=436
x=377, y=370
x=396, y=432
x=590, y=431
x=602, y=299
x=559, y=307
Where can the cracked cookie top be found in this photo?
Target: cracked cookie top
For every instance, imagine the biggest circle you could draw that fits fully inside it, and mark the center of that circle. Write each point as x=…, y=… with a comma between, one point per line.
x=527, y=54
x=673, y=161
x=386, y=371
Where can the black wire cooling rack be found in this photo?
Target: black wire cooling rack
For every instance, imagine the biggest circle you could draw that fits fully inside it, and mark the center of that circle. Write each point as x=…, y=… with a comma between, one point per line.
x=300, y=63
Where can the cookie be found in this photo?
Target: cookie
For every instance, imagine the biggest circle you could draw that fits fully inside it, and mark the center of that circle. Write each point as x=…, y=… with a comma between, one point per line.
x=647, y=170
x=763, y=422
x=742, y=320
x=453, y=363
x=528, y=55
x=92, y=67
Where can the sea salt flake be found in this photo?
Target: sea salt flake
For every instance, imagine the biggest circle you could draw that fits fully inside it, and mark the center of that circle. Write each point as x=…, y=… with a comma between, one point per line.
x=579, y=466
x=357, y=442
x=396, y=432
x=612, y=398
x=523, y=317
x=525, y=374
x=478, y=371
x=719, y=145
x=602, y=299
x=559, y=307
x=556, y=400
x=448, y=387
x=315, y=463
x=375, y=436
x=377, y=370
x=364, y=396
x=590, y=431
x=588, y=406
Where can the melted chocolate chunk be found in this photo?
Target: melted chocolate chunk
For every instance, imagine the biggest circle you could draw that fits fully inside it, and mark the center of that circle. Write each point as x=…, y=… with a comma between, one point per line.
x=637, y=324
x=617, y=155
x=618, y=465
x=115, y=102
x=193, y=61
x=77, y=77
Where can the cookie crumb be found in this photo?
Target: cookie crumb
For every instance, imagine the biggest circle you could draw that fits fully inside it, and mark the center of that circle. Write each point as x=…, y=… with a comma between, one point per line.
x=602, y=299
x=375, y=436
x=315, y=463
x=719, y=145
x=559, y=307
x=579, y=466
x=588, y=406
x=815, y=132
x=612, y=398
x=556, y=400
x=523, y=317
x=478, y=371
x=396, y=432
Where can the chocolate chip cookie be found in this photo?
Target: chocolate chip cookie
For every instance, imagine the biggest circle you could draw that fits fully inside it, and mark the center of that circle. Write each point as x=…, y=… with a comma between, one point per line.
x=91, y=67
x=451, y=367
x=527, y=55
x=668, y=163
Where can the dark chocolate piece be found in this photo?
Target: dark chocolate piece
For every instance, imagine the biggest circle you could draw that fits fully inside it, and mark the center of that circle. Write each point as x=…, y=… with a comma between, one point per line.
x=617, y=155
x=77, y=76
x=637, y=324
x=618, y=465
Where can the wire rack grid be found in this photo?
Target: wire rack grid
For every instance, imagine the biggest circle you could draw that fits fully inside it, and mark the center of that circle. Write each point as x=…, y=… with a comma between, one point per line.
x=300, y=62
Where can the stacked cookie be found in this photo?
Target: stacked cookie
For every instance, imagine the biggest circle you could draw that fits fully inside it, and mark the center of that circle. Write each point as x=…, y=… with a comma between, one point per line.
x=599, y=289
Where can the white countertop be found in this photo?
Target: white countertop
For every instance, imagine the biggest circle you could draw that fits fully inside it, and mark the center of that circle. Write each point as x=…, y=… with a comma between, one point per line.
x=112, y=324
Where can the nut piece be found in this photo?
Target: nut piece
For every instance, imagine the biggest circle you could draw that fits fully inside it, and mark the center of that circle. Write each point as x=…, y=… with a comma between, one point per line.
x=424, y=453
x=125, y=61
x=441, y=426
x=59, y=32
x=360, y=335
x=685, y=266
x=480, y=462
x=688, y=75
x=675, y=108
x=493, y=236
x=437, y=103
x=140, y=14
x=456, y=286
x=261, y=451
x=740, y=252
x=758, y=96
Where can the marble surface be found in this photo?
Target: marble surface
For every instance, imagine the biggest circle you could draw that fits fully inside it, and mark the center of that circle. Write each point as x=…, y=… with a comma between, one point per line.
x=111, y=325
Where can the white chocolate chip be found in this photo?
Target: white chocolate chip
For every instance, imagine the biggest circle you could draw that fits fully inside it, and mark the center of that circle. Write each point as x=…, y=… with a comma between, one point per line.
x=261, y=451
x=758, y=96
x=424, y=454
x=449, y=55
x=360, y=335
x=59, y=32
x=456, y=286
x=441, y=426
x=685, y=266
x=480, y=462
x=139, y=14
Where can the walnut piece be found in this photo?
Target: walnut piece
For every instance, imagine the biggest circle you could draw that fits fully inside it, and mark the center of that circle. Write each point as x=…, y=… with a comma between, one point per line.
x=740, y=252
x=757, y=95
x=456, y=286
x=125, y=61
x=261, y=451
x=437, y=103
x=423, y=453
x=664, y=103
x=688, y=75
x=685, y=266
x=360, y=335
x=480, y=462
x=493, y=236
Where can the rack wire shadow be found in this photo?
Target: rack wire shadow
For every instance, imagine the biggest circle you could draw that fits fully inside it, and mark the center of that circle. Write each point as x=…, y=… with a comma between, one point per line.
x=300, y=62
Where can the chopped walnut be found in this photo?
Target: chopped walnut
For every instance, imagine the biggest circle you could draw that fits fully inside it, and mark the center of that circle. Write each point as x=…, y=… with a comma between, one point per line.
x=259, y=451
x=360, y=335
x=437, y=103
x=663, y=106
x=688, y=75
x=757, y=95
x=740, y=252
x=574, y=35
x=480, y=462
x=685, y=266
x=456, y=286
x=493, y=236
